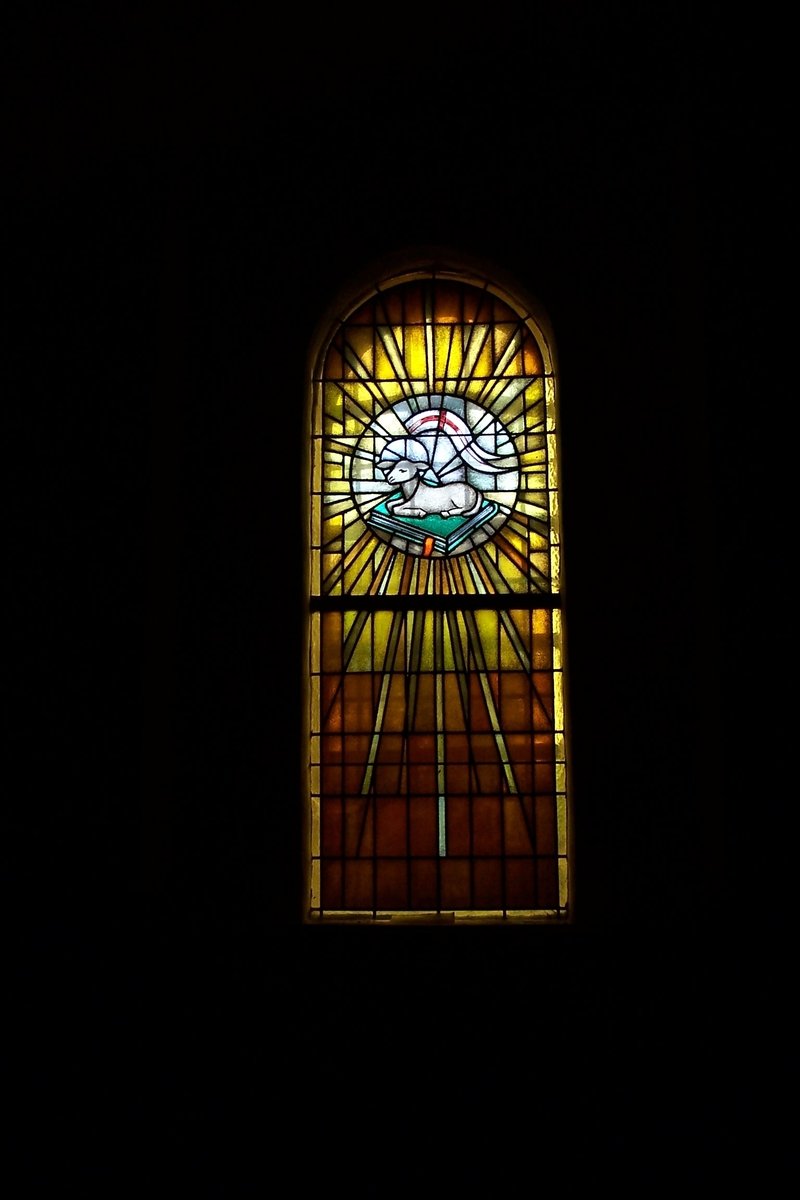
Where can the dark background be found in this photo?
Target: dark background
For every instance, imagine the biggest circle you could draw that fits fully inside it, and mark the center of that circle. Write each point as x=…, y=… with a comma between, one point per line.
x=188, y=193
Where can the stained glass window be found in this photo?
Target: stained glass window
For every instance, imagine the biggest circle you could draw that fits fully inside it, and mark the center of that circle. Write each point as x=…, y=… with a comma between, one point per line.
x=437, y=774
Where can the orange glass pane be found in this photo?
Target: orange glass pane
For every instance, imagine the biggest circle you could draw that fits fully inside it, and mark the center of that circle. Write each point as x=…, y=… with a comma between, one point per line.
x=423, y=826
x=391, y=884
x=487, y=837
x=459, y=839
x=520, y=884
x=517, y=825
x=488, y=883
x=424, y=884
x=455, y=883
x=391, y=826
x=546, y=825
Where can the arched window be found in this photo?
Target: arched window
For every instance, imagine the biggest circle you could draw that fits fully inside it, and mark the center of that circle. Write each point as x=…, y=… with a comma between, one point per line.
x=437, y=774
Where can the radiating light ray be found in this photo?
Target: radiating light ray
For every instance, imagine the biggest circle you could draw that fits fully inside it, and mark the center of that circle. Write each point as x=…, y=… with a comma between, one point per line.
x=415, y=642
x=506, y=393
x=353, y=636
x=541, y=702
x=530, y=508
x=526, y=566
x=360, y=619
x=381, y=402
x=360, y=369
x=495, y=581
x=361, y=570
x=334, y=505
x=334, y=577
x=461, y=637
x=453, y=576
x=459, y=663
x=534, y=423
x=439, y=726
x=409, y=573
x=426, y=585
x=383, y=571
x=388, y=340
x=480, y=577
x=451, y=333
x=524, y=526
x=534, y=459
x=476, y=647
x=462, y=577
x=523, y=657
x=386, y=680
x=497, y=383
x=429, y=347
x=351, y=404
x=345, y=448
x=349, y=647
x=519, y=561
x=472, y=351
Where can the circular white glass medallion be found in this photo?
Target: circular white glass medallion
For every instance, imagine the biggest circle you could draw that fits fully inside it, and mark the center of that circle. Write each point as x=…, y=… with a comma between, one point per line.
x=435, y=475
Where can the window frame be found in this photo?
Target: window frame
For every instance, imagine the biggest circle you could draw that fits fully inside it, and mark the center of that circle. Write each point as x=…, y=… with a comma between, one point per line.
x=470, y=272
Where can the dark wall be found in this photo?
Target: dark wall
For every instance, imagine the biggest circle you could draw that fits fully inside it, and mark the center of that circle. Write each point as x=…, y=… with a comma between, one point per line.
x=190, y=199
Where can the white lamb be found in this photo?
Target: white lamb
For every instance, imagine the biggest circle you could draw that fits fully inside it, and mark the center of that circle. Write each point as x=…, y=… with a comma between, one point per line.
x=420, y=499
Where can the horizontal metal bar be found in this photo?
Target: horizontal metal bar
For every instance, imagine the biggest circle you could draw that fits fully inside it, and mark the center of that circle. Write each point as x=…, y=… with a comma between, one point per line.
x=438, y=603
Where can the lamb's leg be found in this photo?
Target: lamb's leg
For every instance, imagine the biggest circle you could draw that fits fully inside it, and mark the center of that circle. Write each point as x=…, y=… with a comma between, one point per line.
x=403, y=510
x=463, y=511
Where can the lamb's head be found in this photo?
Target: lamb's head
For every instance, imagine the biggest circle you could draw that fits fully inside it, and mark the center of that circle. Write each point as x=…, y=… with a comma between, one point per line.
x=402, y=471
x=405, y=450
